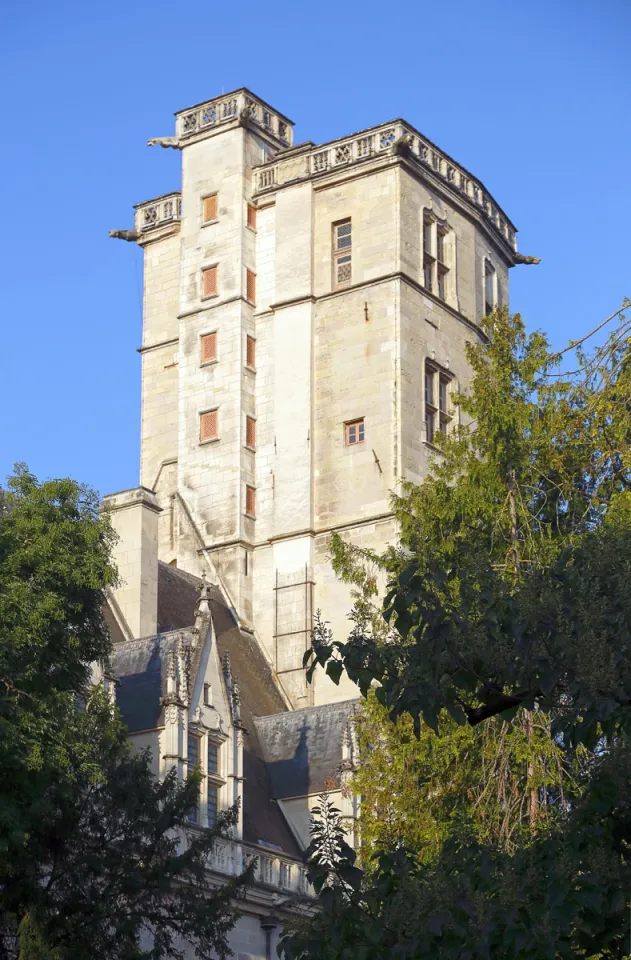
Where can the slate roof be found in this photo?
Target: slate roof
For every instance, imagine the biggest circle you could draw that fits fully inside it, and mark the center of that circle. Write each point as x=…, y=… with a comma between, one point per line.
x=304, y=747
x=140, y=666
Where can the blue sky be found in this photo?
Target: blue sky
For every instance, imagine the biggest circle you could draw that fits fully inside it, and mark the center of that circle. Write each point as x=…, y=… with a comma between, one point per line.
x=532, y=97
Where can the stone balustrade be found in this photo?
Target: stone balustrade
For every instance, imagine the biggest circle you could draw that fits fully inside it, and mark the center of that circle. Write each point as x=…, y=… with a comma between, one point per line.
x=320, y=160
x=158, y=212
x=231, y=857
x=235, y=105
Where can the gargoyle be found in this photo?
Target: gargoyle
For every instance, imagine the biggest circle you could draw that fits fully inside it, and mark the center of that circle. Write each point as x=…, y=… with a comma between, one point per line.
x=402, y=146
x=520, y=258
x=124, y=234
x=165, y=142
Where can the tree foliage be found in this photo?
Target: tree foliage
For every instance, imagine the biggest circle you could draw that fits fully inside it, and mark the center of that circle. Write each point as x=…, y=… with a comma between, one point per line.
x=507, y=598
x=96, y=855
x=417, y=791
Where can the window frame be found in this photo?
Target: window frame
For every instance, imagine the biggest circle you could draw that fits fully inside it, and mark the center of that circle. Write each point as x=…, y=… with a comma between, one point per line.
x=490, y=272
x=203, y=413
x=436, y=261
x=250, y=281
x=349, y=425
x=204, y=270
x=438, y=416
x=250, y=490
x=215, y=359
x=210, y=196
x=250, y=424
x=340, y=254
x=250, y=340
x=251, y=215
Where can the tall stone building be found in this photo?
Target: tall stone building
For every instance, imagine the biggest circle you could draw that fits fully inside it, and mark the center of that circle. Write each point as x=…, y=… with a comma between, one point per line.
x=306, y=309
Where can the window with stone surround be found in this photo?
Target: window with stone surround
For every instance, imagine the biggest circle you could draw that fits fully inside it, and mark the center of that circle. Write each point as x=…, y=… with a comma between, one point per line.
x=250, y=433
x=250, y=501
x=209, y=281
x=437, y=245
x=212, y=803
x=490, y=288
x=438, y=415
x=209, y=347
x=193, y=757
x=251, y=286
x=210, y=208
x=250, y=352
x=342, y=254
x=209, y=425
x=251, y=217
x=354, y=432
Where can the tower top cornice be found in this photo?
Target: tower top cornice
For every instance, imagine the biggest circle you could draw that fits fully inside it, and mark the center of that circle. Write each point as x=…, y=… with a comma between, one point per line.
x=239, y=107
x=395, y=140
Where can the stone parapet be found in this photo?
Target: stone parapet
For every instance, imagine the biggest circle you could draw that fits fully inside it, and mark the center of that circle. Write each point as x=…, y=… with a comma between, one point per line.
x=396, y=138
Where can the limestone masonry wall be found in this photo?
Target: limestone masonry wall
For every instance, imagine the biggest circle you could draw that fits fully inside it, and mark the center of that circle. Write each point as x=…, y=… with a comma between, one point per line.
x=325, y=354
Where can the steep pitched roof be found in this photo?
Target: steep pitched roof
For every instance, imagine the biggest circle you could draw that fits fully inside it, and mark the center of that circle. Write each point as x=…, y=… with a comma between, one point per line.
x=304, y=747
x=140, y=666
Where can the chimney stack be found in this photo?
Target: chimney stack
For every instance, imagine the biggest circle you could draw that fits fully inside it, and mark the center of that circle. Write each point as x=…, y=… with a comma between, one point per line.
x=134, y=516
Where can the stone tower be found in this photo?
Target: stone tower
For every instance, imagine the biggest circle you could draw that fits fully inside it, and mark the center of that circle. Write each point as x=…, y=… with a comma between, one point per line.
x=306, y=310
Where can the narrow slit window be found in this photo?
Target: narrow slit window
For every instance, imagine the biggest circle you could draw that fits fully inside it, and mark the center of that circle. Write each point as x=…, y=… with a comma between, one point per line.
x=209, y=275
x=250, y=433
x=342, y=253
x=490, y=288
x=251, y=286
x=209, y=425
x=251, y=217
x=250, y=501
x=210, y=208
x=250, y=352
x=209, y=347
x=213, y=757
x=207, y=694
x=212, y=804
x=354, y=432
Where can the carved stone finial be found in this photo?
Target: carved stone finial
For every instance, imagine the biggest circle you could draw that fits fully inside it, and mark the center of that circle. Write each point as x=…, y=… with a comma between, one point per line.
x=128, y=235
x=165, y=142
x=236, y=702
x=521, y=258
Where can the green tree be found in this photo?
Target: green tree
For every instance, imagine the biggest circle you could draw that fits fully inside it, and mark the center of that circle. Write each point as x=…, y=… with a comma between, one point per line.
x=508, y=598
x=417, y=791
x=96, y=855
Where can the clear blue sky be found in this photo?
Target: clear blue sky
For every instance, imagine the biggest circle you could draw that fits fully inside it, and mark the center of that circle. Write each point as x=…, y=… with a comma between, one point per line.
x=532, y=97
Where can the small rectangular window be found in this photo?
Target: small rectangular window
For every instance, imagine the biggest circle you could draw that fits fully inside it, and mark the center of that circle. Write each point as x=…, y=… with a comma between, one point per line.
x=212, y=804
x=342, y=253
x=209, y=275
x=209, y=347
x=250, y=352
x=213, y=757
x=208, y=425
x=210, y=208
x=207, y=694
x=443, y=394
x=251, y=286
x=193, y=751
x=250, y=501
x=250, y=432
x=429, y=385
x=251, y=217
x=430, y=417
x=490, y=288
x=354, y=432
